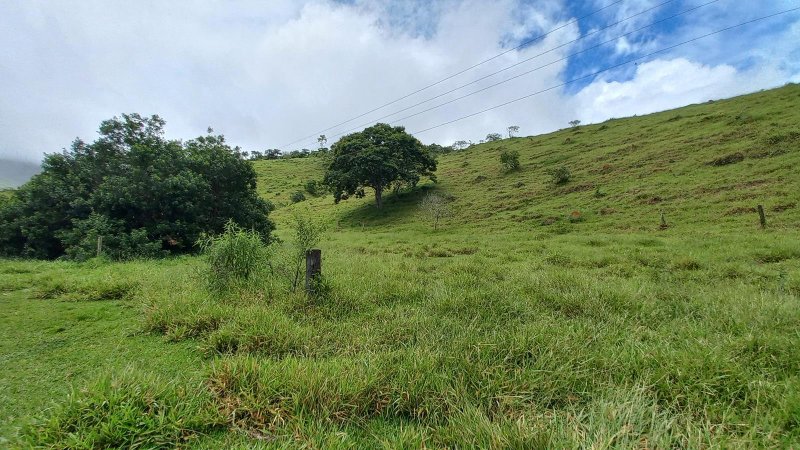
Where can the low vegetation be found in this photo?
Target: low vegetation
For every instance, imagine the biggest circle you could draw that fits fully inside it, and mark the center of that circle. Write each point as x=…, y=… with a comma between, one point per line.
x=141, y=194
x=541, y=316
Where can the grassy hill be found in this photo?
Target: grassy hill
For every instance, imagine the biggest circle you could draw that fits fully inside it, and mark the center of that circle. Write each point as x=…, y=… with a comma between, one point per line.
x=538, y=316
x=707, y=165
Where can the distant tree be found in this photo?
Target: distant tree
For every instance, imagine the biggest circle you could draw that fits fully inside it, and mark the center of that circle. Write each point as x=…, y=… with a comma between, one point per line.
x=272, y=153
x=574, y=123
x=510, y=160
x=297, y=197
x=377, y=157
x=460, y=145
x=314, y=187
x=436, y=149
x=322, y=141
x=512, y=129
x=144, y=194
x=435, y=207
x=491, y=137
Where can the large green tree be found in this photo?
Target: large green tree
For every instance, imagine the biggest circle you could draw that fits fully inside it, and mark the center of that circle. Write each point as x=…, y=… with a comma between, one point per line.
x=144, y=194
x=378, y=157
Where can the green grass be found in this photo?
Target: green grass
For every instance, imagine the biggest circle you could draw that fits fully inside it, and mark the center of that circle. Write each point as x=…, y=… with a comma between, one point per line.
x=518, y=324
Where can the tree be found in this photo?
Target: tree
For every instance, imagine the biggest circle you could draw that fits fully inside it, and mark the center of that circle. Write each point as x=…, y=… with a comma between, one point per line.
x=491, y=137
x=460, y=145
x=512, y=129
x=574, y=123
x=436, y=149
x=377, y=157
x=435, y=207
x=322, y=141
x=144, y=194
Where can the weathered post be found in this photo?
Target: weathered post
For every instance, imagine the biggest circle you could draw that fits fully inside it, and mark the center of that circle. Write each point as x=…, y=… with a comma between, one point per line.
x=664, y=225
x=99, y=245
x=313, y=268
x=761, y=217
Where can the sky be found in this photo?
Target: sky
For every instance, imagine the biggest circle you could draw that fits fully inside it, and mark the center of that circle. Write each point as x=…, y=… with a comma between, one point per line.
x=268, y=73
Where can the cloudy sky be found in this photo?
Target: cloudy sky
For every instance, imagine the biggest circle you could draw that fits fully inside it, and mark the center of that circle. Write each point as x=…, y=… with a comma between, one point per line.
x=266, y=73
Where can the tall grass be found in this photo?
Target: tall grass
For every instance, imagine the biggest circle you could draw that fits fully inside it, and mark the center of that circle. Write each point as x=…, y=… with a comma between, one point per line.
x=236, y=258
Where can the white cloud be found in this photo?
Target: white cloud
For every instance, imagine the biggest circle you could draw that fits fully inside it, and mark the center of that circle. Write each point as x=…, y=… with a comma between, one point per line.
x=266, y=73
x=664, y=84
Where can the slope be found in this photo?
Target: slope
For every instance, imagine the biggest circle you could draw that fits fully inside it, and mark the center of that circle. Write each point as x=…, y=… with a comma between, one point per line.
x=703, y=165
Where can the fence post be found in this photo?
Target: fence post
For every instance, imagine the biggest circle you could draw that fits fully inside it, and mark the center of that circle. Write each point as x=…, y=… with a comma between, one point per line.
x=761, y=217
x=99, y=245
x=313, y=268
x=664, y=225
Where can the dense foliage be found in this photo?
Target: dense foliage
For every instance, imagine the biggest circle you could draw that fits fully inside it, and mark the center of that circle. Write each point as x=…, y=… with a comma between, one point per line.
x=144, y=194
x=378, y=157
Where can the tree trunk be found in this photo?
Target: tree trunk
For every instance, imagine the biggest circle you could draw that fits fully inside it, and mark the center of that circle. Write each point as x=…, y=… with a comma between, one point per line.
x=379, y=197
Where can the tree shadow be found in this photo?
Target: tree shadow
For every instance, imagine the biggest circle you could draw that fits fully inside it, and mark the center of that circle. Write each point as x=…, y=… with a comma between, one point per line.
x=396, y=206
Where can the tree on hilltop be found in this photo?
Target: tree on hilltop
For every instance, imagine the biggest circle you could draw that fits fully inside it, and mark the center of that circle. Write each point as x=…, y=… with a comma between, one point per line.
x=377, y=157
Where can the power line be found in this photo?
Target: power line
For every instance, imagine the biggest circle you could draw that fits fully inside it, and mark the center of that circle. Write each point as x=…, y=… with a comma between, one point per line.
x=607, y=69
x=523, y=44
x=529, y=71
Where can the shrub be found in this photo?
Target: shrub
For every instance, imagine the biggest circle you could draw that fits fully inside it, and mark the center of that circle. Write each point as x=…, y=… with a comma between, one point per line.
x=510, y=160
x=435, y=207
x=297, y=197
x=314, y=187
x=234, y=257
x=560, y=175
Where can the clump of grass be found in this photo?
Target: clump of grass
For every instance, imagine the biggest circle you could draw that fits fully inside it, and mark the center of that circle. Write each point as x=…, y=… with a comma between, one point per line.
x=560, y=175
x=725, y=160
x=256, y=330
x=687, y=263
x=128, y=411
x=235, y=258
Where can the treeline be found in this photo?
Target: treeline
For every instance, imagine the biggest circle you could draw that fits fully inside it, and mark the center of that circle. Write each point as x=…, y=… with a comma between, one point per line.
x=143, y=194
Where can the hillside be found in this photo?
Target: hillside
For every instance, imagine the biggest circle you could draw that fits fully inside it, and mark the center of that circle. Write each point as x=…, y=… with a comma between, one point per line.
x=538, y=316
x=707, y=164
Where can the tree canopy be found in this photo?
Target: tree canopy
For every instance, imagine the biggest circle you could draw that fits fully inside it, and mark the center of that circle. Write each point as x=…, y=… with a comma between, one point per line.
x=144, y=194
x=378, y=157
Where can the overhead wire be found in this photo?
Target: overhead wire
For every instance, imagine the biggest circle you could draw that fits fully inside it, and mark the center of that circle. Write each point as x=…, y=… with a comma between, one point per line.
x=521, y=45
x=574, y=80
x=526, y=72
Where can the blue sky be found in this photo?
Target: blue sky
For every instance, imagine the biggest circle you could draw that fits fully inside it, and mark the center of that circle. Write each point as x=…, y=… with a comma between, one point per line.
x=268, y=73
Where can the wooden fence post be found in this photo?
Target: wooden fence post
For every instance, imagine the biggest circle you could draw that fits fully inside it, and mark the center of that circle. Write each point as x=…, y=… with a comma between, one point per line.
x=99, y=245
x=664, y=225
x=313, y=268
x=761, y=217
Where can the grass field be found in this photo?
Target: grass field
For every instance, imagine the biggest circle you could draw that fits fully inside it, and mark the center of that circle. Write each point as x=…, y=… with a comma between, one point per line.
x=537, y=316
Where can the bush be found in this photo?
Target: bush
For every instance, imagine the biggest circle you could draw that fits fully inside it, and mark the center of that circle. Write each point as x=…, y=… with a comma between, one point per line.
x=235, y=258
x=297, y=197
x=510, y=160
x=314, y=187
x=142, y=193
x=435, y=207
x=560, y=175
